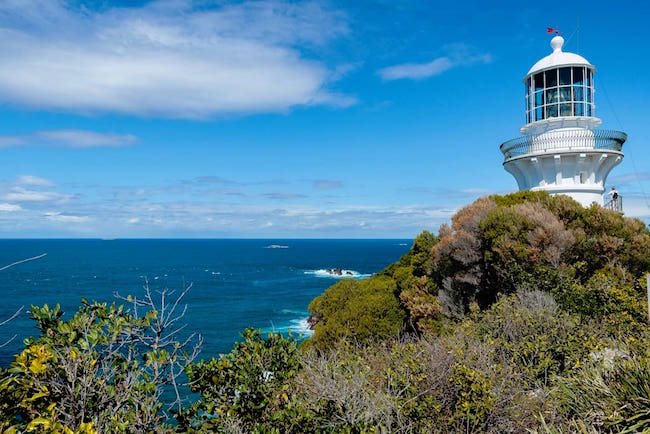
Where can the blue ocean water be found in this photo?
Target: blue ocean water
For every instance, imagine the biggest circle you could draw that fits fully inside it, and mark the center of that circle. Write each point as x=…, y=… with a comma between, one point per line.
x=236, y=283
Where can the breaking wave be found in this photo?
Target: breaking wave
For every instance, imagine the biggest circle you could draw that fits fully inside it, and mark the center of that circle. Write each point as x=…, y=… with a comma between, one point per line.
x=337, y=273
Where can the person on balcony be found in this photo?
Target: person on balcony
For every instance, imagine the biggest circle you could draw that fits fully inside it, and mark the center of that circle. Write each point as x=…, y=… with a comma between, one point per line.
x=613, y=199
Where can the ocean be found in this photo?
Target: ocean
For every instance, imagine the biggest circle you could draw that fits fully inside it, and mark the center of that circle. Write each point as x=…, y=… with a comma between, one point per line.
x=236, y=283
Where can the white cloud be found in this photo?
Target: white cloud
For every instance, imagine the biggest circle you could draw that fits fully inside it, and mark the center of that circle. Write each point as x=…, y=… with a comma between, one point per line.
x=416, y=71
x=20, y=194
x=459, y=55
x=67, y=139
x=9, y=207
x=66, y=218
x=34, y=180
x=167, y=59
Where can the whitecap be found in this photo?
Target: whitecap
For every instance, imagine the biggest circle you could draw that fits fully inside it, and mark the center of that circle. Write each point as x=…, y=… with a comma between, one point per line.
x=333, y=273
x=297, y=327
x=276, y=246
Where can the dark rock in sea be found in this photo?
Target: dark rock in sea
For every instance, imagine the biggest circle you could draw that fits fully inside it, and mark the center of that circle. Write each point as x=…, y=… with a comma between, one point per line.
x=335, y=271
x=313, y=320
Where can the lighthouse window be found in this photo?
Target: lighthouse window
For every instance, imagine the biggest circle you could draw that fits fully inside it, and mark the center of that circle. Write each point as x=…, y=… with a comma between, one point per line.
x=565, y=76
x=551, y=111
x=578, y=75
x=539, y=81
x=579, y=109
x=565, y=93
x=539, y=114
x=565, y=109
x=551, y=95
x=551, y=78
x=578, y=93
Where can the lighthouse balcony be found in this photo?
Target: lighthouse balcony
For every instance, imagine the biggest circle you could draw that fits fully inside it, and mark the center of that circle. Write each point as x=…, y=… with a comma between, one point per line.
x=615, y=204
x=564, y=140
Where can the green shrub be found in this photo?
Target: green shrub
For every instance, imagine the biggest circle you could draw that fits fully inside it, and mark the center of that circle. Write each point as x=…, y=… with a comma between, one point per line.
x=250, y=386
x=359, y=310
x=103, y=370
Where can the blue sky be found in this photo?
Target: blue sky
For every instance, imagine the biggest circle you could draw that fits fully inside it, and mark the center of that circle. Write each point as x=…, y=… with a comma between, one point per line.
x=273, y=118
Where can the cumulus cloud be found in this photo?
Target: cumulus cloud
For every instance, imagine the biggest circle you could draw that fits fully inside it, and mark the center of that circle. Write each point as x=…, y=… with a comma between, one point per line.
x=458, y=55
x=172, y=59
x=31, y=188
x=44, y=208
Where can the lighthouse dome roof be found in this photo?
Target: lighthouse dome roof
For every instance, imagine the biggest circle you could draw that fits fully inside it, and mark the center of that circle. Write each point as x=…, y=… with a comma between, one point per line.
x=559, y=58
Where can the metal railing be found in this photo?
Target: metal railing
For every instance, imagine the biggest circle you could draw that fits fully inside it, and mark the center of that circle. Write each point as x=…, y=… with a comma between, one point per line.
x=614, y=204
x=609, y=140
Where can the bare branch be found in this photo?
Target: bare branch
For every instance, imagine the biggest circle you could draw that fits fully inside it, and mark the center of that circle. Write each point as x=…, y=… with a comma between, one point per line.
x=33, y=258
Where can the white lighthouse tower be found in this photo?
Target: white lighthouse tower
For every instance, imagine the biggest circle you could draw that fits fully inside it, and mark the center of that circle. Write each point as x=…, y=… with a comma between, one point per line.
x=561, y=150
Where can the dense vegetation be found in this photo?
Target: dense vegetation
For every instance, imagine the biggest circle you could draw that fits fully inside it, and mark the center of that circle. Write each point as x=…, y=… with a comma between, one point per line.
x=526, y=313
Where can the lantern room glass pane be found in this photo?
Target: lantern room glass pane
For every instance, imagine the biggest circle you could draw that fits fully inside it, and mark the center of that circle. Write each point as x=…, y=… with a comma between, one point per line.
x=539, y=98
x=565, y=109
x=539, y=113
x=579, y=109
x=551, y=111
x=565, y=93
x=539, y=81
x=578, y=93
x=589, y=78
x=565, y=76
x=551, y=95
x=551, y=78
x=578, y=75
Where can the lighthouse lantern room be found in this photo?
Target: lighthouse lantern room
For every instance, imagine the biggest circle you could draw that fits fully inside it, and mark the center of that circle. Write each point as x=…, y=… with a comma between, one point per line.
x=561, y=150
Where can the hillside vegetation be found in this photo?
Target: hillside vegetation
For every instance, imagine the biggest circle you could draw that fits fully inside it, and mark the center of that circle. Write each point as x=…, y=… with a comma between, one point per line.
x=527, y=313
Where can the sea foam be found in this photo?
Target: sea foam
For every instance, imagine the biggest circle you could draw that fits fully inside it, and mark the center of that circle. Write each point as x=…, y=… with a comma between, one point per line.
x=332, y=274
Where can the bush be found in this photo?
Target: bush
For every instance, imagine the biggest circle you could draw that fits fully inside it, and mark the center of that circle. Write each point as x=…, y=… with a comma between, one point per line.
x=359, y=310
x=103, y=370
x=250, y=386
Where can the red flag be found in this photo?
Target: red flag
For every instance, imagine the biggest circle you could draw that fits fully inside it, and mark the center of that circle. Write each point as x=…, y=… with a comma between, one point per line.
x=549, y=30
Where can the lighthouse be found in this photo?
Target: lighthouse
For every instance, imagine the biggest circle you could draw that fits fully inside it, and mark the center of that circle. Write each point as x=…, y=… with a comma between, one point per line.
x=562, y=150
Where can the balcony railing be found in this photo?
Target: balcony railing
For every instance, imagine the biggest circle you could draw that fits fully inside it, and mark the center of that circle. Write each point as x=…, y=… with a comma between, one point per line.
x=614, y=204
x=608, y=140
